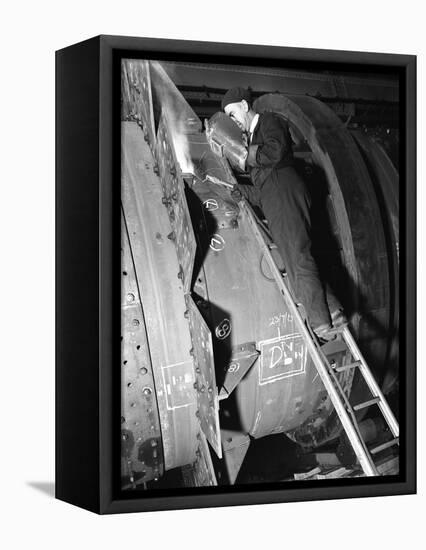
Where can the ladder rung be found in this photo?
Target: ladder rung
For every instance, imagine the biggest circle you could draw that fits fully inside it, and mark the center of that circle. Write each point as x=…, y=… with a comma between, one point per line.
x=347, y=367
x=384, y=446
x=371, y=383
x=366, y=404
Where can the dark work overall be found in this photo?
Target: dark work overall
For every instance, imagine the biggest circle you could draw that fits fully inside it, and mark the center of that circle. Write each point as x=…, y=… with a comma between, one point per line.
x=284, y=199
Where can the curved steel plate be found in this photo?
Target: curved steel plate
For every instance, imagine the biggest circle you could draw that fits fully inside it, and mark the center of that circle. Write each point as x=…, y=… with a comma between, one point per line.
x=142, y=454
x=162, y=297
x=175, y=201
x=205, y=382
x=137, y=85
x=244, y=305
x=386, y=185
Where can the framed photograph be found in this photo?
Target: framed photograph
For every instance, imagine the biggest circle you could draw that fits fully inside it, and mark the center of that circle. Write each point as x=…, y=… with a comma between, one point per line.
x=235, y=274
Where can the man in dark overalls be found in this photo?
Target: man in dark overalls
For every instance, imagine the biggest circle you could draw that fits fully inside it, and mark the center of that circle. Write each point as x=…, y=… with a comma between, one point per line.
x=284, y=199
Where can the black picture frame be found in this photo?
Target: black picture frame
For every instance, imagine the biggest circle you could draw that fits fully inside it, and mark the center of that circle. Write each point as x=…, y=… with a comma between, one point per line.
x=87, y=230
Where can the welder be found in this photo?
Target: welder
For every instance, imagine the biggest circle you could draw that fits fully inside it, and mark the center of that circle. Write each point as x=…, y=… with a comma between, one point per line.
x=281, y=194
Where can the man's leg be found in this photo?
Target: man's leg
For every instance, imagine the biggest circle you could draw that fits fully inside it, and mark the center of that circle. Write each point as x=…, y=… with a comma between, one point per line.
x=334, y=305
x=286, y=206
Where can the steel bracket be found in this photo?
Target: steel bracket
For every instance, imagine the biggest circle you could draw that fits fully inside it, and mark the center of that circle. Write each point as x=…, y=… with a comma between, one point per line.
x=242, y=359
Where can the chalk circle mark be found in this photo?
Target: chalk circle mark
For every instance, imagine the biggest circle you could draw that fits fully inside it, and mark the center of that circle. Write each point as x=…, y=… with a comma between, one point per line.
x=211, y=204
x=233, y=367
x=217, y=242
x=223, y=330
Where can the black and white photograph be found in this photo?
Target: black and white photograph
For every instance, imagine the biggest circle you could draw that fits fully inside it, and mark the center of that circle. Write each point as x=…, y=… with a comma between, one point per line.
x=260, y=274
x=212, y=275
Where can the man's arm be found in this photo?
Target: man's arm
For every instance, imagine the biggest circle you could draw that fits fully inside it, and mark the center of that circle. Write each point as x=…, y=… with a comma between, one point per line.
x=276, y=143
x=249, y=192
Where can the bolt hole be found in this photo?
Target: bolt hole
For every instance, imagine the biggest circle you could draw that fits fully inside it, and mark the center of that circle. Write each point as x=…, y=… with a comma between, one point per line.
x=124, y=272
x=138, y=347
x=125, y=362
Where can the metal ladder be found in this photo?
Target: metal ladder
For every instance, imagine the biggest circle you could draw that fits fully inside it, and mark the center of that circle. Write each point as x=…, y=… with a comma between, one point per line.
x=327, y=371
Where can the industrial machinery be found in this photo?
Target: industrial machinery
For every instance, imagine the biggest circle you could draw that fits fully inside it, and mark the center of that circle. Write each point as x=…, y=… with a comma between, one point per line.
x=213, y=358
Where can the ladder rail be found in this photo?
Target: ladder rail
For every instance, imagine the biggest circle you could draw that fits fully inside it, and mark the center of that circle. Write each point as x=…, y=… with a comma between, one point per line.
x=349, y=408
x=334, y=378
x=371, y=382
x=356, y=441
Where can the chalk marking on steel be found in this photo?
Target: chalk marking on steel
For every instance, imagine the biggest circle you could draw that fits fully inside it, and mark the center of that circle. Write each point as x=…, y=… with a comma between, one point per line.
x=163, y=368
x=274, y=378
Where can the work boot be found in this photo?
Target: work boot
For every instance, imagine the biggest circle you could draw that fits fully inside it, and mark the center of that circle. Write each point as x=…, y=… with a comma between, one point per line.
x=323, y=332
x=339, y=319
